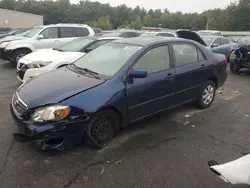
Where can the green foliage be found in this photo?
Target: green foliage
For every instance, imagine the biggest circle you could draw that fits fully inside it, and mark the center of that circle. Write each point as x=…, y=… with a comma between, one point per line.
x=234, y=17
x=103, y=22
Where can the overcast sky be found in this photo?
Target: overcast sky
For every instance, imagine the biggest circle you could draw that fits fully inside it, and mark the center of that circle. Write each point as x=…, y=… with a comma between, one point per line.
x=172, y=5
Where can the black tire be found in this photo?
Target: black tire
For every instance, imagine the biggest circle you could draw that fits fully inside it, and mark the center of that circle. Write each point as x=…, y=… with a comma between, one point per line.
x=102, y=128
x=205, y=104
x=234, y=68
x=17, y=54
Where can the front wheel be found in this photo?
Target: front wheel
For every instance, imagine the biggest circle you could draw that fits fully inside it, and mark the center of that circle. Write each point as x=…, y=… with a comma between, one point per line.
x=17, y=55
x=207, y=95
x=102, y=128
x=234, y=68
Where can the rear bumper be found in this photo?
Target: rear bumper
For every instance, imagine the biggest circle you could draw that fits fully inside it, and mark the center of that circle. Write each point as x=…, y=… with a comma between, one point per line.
x=222, y=79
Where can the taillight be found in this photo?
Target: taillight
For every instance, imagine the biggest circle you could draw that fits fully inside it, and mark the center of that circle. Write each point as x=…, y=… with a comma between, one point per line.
x=225, y=62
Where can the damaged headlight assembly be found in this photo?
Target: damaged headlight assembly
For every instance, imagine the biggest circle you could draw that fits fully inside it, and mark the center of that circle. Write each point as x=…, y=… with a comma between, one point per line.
x=50, y=113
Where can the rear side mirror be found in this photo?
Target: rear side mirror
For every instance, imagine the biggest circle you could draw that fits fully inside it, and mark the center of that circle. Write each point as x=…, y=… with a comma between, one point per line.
x=39, y=37
x=214, y=45
x=138, y=73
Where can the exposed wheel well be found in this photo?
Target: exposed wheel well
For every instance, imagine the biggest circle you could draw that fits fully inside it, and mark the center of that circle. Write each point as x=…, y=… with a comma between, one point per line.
x=26, y=49
x=117, y=112
x=214, y=80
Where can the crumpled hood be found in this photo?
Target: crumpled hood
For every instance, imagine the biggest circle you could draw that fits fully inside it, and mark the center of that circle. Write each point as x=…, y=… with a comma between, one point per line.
x=12, y=38
x=51, y=55
x=191, y=36
x=54, y=87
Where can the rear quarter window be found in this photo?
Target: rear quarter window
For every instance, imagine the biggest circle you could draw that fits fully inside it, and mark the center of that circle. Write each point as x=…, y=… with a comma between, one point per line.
x=81, y=32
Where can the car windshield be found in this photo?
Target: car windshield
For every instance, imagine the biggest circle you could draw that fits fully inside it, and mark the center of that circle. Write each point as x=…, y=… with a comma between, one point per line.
x=24, y=33
x=208, y=41
x=148, y=34
x=33, y=32
x=76, y=45
x=245, y=40
x=107, y=59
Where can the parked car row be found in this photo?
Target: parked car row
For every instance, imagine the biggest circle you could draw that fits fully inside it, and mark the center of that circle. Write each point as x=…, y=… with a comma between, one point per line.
x=91, y=87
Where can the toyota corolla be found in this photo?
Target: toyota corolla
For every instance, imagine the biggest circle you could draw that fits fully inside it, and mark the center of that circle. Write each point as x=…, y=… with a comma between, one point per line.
x=117, y=84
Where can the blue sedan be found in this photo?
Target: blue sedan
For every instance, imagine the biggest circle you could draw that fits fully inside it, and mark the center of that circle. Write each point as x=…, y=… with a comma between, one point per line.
x=113, y=86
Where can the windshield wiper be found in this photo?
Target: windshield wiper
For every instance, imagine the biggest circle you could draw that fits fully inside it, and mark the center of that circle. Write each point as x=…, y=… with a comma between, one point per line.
x=58, y=49
x=92, y=73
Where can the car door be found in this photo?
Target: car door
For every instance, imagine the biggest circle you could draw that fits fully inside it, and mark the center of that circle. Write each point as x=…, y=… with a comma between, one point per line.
x=146, y=96
x=190, y=67
x=50, y=38
x=66, y=34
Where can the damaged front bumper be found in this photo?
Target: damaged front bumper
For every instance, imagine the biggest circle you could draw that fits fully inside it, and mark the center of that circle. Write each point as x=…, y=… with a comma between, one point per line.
x=50, y=136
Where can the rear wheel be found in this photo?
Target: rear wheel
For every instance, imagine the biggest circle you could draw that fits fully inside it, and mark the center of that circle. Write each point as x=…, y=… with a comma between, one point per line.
x=17, y=55
x=207, y=95
x=234, y=68
x=102, y=128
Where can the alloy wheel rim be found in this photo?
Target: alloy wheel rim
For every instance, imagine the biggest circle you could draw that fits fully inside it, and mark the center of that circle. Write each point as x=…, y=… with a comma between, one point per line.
x=208, y=94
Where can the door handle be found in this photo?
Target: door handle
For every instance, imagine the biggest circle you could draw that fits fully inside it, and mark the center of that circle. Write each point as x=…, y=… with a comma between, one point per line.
x=56, y=40
x=202, y=65
x=169, y=74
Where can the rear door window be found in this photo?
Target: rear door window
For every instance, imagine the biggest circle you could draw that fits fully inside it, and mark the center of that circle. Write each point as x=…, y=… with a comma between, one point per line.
x=185, y=54
x=67, y=32
x=81, y=32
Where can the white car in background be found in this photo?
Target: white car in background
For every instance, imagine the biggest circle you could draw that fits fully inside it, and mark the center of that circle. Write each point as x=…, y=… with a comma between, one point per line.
x=161, y=33
x=42, y=37
x=46, y=60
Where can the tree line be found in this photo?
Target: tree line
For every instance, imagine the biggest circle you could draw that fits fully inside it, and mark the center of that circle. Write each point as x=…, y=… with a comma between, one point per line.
x=235, y=17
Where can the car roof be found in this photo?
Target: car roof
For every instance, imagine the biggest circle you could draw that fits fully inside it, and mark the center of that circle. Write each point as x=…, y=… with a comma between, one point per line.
x=144, y=41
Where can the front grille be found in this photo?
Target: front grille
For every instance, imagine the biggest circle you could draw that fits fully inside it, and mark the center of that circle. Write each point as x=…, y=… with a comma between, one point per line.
x=18, y=105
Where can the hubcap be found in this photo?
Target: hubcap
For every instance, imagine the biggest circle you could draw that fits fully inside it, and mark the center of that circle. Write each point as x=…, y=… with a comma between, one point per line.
x=19, y=56
x=208, y=95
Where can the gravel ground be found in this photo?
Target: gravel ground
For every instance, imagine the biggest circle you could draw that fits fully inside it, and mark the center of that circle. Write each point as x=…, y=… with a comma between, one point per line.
x=167, y=150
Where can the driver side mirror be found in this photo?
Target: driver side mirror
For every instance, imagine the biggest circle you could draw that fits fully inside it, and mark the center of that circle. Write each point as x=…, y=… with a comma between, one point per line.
x=39, y=37
x=214, y=45
x=88, y=50
x=138, y=73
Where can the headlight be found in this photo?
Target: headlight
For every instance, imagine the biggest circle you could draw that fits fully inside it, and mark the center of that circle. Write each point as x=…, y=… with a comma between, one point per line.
x=39, y=64
x=50, y=113
x=4, y=44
